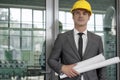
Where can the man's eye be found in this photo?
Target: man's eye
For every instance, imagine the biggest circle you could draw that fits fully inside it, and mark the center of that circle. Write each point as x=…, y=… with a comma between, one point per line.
x=76, y=12
x=85, y=13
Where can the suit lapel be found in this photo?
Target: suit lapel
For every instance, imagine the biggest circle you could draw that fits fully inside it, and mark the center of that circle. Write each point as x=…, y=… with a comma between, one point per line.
x=89, y=43
x=72, y=43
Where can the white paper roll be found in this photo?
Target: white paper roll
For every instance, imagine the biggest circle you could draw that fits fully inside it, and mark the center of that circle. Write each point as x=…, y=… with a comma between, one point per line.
x=95, y=66
x=90, y=61
x=99, y=65
x=93, y=60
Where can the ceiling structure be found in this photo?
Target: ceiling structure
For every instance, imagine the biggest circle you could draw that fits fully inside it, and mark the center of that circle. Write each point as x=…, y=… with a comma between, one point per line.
x=99, y=5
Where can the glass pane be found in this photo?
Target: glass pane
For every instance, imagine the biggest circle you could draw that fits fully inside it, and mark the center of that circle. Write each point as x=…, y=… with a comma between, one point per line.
x=14, y=33
x=14, y=25
x=39, y=19
x=4, y=32
x=65, y=19
x=39, y=51
x=15, y=14
x=26, y=43
x=26, y=18
x=91, y=23
x=14, y=17
x=26, y=33
x=62, y=16
x=4, y=45
x=69, y=21
x=39, y=48
x=15, y=39
x=4, y=38
x=3, y=17
x=26, y=40
x=39, y=33
x=15, y=42
x=99, y=22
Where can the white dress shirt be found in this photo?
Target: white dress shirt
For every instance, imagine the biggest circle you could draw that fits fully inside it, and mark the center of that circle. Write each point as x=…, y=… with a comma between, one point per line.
x=84, y=37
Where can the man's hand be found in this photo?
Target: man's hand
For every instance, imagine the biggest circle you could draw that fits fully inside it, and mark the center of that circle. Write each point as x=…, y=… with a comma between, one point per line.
x=69, y=71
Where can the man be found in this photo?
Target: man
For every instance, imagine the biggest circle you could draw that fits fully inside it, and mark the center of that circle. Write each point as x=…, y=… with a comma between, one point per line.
x=65, y=53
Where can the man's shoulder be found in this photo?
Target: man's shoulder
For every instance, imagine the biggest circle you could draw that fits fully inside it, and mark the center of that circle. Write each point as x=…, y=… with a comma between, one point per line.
x=93, y=35
x=69, y=32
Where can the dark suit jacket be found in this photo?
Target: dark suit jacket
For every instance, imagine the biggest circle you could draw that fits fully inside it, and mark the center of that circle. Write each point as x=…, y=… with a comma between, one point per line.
x=65, y=52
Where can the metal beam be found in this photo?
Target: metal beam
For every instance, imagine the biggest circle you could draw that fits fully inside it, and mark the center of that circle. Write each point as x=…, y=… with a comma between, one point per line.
x=51, y=32
x=118, y=35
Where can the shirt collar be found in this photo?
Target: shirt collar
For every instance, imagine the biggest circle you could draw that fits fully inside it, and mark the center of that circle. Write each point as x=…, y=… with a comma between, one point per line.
x=76, y=32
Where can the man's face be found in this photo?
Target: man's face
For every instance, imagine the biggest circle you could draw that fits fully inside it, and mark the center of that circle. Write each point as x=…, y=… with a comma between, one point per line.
x=81, y=17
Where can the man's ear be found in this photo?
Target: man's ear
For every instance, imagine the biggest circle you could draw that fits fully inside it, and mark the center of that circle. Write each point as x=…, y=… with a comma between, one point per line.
x=89, y=16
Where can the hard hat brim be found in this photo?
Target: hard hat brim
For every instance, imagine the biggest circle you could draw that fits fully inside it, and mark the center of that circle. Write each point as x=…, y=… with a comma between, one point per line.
x=72, y=11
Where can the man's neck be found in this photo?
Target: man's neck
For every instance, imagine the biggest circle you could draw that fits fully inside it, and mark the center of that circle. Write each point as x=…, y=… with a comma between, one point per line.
x=81, y=28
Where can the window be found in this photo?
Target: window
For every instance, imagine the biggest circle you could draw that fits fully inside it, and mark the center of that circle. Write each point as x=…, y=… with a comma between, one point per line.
x=24, y=30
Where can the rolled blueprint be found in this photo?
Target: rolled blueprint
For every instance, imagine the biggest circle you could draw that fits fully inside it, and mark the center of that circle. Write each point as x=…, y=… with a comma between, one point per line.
x=95, y=66
x=90, y=61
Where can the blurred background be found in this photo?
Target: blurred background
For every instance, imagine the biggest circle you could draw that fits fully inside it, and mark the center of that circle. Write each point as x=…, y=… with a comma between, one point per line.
x=28, y=29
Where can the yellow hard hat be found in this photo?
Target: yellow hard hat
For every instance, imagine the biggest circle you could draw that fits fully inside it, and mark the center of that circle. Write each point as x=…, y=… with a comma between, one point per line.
x=82, y=4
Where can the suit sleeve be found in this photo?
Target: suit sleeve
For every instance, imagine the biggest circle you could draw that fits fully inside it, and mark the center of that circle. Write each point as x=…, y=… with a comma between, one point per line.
x=53, y=60
x=102, y=71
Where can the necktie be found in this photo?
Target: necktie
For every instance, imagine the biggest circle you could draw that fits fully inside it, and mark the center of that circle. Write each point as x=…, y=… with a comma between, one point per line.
x=80, y=44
